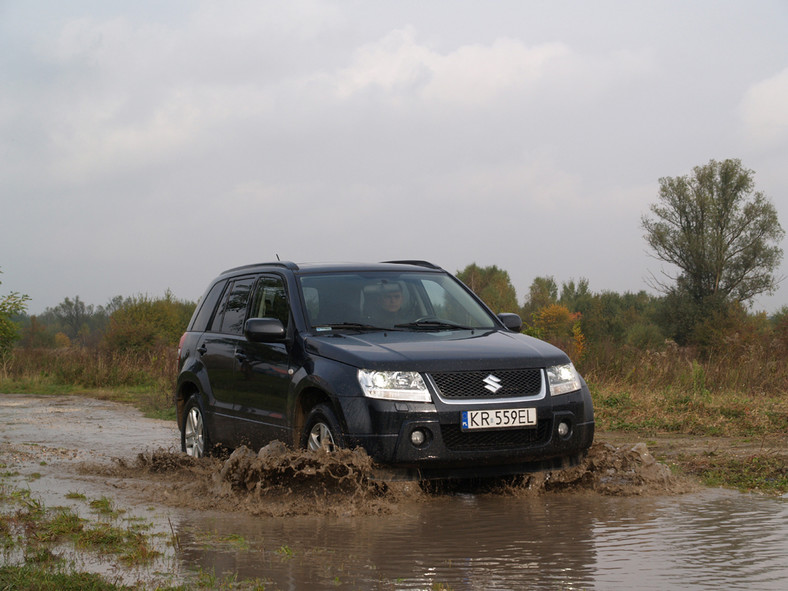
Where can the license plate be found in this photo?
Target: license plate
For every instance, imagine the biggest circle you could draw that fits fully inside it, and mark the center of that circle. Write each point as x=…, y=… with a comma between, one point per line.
x=502, y=418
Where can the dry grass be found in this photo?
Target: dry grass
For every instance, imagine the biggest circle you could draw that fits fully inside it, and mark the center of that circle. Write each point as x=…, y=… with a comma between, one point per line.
x=743, y=392
x=143, y=378
x=96, y=368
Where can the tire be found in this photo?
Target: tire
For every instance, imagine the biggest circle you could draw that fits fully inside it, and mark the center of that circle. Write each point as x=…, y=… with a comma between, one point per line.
x=195, y=441
x=321, y=430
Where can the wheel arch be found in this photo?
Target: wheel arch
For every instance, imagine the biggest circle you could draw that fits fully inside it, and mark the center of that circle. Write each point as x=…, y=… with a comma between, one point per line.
x=186, y=389
x=308, y=399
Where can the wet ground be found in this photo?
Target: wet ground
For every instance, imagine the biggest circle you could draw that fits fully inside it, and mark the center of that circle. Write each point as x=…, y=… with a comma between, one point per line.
x=296, y=520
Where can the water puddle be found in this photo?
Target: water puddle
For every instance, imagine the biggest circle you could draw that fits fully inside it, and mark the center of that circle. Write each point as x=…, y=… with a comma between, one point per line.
x=702, y=540
x=294, y=520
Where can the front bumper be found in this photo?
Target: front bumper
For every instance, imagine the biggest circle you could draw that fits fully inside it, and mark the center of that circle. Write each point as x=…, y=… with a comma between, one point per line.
x=384, y=429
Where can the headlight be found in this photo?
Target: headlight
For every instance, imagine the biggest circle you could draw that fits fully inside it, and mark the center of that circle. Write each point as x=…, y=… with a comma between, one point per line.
x=394, y=385
x=563, y=379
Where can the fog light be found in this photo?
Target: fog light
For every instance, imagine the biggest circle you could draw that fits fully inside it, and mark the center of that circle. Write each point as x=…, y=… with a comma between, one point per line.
x=563, y=429
x=418, y=437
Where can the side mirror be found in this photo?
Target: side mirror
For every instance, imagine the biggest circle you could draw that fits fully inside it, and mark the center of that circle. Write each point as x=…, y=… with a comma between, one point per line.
x=511, y=321
x=264, y=330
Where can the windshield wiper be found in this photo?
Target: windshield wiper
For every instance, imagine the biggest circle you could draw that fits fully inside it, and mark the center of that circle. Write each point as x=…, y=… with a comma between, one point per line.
x=350, y=326
x=429, y=323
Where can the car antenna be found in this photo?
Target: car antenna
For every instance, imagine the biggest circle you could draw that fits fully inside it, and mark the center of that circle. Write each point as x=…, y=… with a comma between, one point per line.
x=277, y=257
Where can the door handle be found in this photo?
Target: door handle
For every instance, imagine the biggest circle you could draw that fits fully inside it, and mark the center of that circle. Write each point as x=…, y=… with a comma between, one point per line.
x=241, y=356
x=202, y=349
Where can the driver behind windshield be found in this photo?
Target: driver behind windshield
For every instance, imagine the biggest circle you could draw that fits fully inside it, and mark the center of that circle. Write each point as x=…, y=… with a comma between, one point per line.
x=386, y=309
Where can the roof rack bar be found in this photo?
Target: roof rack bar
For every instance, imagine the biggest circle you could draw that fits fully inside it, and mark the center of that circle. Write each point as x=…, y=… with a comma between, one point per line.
x=418, y=263
x=285, y=264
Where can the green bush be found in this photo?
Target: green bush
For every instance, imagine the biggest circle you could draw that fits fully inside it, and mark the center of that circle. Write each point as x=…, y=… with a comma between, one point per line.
x=142, y=323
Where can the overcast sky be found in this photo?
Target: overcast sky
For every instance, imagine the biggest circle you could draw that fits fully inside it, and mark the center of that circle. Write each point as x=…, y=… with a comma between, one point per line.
x=149, y=145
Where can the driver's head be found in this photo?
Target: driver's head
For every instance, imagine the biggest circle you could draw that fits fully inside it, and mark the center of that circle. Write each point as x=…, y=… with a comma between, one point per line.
x=392, y=298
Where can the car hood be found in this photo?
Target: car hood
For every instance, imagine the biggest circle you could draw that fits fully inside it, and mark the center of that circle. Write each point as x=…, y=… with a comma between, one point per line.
x=430, y=351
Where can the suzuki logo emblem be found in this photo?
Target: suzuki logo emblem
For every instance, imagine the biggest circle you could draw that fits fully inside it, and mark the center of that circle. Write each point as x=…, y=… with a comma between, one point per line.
x=493, y=383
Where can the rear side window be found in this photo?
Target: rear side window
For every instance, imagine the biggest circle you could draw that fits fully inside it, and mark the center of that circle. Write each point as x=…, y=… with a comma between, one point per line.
x=230, y=317
x=207, y=306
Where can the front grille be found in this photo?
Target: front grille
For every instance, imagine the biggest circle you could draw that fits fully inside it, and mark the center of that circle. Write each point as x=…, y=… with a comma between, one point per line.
x=456, y=439
x=470, y=385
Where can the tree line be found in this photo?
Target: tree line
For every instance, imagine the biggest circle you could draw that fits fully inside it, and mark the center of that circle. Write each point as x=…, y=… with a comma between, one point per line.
x=590, y=326
x=124, y=323
x=719, y=235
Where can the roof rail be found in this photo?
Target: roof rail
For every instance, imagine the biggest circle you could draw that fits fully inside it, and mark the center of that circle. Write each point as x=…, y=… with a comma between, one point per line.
x=417, y=263
x=285, y=264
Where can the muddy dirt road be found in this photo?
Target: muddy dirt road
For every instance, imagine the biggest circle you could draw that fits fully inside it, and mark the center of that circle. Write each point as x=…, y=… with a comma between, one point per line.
x=293, y=520
x=88, y=443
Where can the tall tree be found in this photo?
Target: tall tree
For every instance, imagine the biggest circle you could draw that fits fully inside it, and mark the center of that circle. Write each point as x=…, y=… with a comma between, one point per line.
x=74, y=316
x=720, y=232
x=492, y=285
x=543, y=292
x=575, y=296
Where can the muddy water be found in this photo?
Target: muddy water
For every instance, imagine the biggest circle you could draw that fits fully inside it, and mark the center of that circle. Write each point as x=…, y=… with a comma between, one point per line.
x=613, y=528
x=698, y=541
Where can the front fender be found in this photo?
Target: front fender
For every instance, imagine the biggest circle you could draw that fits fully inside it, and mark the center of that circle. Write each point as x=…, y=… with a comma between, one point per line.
x=330, y=381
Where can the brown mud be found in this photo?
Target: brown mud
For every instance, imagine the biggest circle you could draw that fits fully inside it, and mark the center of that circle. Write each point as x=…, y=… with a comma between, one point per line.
x=278, y=481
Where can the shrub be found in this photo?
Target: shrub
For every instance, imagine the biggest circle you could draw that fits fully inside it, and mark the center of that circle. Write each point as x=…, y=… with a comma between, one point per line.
x=556, y=324
x=142, y=323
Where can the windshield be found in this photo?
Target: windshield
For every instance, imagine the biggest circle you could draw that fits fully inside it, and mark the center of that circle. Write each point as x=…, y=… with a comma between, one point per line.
x=392, y=301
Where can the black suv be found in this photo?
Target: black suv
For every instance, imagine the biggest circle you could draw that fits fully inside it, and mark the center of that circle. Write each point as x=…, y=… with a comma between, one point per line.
x=399, y=358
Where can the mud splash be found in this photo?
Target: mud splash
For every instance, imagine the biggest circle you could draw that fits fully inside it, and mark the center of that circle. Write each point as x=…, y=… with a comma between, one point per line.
x=613, y=471
x=279, y=481
x=276, y=481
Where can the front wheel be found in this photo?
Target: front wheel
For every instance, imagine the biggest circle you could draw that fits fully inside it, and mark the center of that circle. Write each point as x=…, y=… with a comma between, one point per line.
x=321, y=431
x=194, y=434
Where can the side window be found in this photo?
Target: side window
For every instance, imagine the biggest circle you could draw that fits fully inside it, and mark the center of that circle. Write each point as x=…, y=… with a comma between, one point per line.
x=232, y=313
x=270, y=300
x=207, y=306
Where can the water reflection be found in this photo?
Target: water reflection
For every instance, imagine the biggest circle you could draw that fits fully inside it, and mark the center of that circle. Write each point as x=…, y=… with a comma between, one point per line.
x=711, y=539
